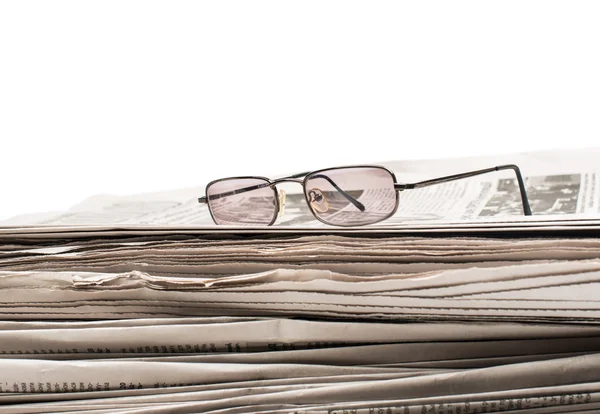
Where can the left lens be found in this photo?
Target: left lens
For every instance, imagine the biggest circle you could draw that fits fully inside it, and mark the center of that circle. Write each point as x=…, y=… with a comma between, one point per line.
x=351, y=196
x=246, y=201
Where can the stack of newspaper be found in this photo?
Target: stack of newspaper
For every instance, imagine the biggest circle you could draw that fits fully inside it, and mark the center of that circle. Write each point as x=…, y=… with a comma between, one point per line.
x=455, y=305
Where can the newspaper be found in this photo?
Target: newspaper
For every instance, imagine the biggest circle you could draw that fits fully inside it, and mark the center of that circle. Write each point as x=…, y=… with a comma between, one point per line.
x=457, y=304
x=558, y=185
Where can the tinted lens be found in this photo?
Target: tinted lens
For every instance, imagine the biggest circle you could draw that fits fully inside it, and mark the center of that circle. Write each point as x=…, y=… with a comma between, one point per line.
x=242, y=202
x=351, y=196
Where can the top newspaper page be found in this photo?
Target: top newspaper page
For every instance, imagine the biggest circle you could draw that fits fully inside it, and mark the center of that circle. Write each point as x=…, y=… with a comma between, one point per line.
x=563, y=188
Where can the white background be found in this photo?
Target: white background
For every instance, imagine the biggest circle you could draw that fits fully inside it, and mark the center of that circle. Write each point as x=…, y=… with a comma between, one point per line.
x=134, y=96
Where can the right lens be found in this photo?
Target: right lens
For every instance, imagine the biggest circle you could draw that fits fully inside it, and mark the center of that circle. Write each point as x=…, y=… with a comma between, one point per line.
x=351, y=196
x=242, y=201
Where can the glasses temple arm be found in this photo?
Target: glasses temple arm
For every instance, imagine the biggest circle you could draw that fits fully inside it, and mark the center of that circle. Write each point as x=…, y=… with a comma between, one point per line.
x=440, y=180
x=347, y=196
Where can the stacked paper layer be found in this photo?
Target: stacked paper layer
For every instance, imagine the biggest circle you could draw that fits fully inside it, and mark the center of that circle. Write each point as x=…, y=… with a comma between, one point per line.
x=554, y=280
x=312, y=324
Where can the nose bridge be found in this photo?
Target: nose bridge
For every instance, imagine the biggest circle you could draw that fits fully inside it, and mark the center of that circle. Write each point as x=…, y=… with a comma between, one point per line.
x=288, y=180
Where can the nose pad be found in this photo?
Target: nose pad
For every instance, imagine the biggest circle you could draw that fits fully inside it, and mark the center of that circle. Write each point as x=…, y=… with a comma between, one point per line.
x=318, y=201
x=281, y=203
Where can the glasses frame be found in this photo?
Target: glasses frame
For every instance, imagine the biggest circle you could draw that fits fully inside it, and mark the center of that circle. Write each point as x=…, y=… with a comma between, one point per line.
x=398, y=187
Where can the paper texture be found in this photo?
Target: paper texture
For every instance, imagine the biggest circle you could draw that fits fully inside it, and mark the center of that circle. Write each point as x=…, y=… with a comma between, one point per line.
x=458, y=304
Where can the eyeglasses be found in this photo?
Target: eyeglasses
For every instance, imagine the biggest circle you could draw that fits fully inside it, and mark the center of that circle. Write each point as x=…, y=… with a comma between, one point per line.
x=342, y=196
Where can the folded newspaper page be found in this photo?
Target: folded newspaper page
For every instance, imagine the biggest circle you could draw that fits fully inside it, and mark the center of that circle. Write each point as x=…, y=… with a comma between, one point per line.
x=560, y=185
